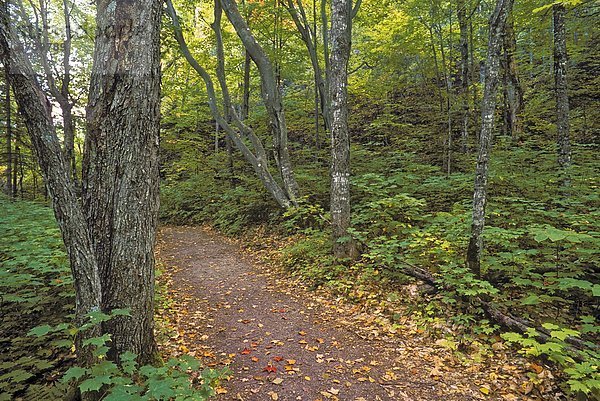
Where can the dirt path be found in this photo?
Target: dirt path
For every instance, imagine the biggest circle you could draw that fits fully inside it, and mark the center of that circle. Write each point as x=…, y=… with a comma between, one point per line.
x=283, y=342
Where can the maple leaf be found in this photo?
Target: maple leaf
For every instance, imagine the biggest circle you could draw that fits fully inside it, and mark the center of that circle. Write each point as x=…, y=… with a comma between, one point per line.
x=270, y=369
x=278, y=358
x=245, y=351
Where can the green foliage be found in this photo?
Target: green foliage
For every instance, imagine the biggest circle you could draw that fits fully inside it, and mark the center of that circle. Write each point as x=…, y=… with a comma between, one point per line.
x=35, y=290
x=581, y=367
x=178, y=379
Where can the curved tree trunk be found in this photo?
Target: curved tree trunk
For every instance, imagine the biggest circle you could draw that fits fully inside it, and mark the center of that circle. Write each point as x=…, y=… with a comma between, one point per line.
x=488, y=106
x=271, y=97
x=120, y=179
x=258, y=159
x=36, y=109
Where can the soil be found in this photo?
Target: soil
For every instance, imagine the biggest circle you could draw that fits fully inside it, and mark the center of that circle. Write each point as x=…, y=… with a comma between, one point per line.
x=284, y=342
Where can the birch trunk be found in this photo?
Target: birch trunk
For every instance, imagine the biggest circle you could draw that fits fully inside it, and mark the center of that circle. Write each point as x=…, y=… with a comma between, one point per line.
x=120, y=182
x=341, y=29
x=497, y=26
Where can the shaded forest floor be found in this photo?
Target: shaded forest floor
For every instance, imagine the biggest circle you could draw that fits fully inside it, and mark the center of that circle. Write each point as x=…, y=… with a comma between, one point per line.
x=284, y=342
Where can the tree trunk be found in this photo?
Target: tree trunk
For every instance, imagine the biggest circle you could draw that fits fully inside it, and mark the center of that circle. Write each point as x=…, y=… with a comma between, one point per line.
x=246, y=89
x=560, y=88
x=7, y=111
x=271, y=97
x=308, y=36
x=36, y=109
x=497, y=26
x=121, y=170
x=513, y=92
x=341, y=31
x=258, y=159
x=464, y=73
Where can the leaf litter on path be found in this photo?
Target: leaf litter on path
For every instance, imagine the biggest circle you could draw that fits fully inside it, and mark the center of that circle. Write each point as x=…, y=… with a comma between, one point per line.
x=284, y=342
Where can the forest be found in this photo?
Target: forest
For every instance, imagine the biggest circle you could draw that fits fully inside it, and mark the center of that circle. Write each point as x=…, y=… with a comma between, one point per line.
x=300, y=200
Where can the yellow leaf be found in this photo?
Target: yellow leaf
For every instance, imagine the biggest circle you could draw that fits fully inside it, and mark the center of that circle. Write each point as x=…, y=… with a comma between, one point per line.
x=484, y=390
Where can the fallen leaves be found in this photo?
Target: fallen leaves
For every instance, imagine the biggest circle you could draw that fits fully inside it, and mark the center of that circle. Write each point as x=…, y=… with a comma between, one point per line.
x=270, y=369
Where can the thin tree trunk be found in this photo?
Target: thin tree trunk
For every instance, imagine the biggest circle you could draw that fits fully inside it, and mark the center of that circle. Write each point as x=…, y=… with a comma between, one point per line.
x=7, y=111
x=513, y=92
x=464, y=73
x=341, y=31
x=246, y=89
x=62, y=94
x=308, y=36
x=560, y=88
x=271, y=97
x=36, y=111
x=16, y=158
x=121, y=169
x=497, y=26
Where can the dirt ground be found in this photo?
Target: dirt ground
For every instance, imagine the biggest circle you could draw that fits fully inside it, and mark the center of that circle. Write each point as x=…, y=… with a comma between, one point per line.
x=283, y=342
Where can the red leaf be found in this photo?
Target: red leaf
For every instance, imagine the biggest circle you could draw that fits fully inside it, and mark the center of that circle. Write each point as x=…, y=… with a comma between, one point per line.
x=278, y=359
x=270, y=369
x=245, y=351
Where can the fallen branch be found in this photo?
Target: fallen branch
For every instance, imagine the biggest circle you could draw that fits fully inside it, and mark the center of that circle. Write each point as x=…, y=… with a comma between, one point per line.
x=507, y=320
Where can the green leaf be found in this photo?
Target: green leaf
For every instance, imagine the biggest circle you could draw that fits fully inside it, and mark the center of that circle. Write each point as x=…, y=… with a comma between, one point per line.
x=97, y=341
x=94, y=383
x=531, y=300
x=40, y=331
x=74, y=373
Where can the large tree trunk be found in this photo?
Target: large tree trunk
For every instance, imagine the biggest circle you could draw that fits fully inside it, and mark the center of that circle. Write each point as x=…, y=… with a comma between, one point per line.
x=36, y=109
x=271, y=97
x=560, y=80
x=121, y=175
x=7, y=118
x=341, y=31
x=497, y=26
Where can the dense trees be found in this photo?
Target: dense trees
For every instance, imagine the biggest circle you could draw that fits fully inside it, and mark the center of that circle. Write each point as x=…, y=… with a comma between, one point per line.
x=405, y=91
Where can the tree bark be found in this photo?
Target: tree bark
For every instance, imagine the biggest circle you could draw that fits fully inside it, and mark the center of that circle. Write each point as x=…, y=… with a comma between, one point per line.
x=271, y=97
x=497, y=25
x=560, y=88
x=246, y=89
x=36, y=109
x=7, y=118
x=341, y=31
x=464, y=73
x=121, y=169
x=513, y=92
